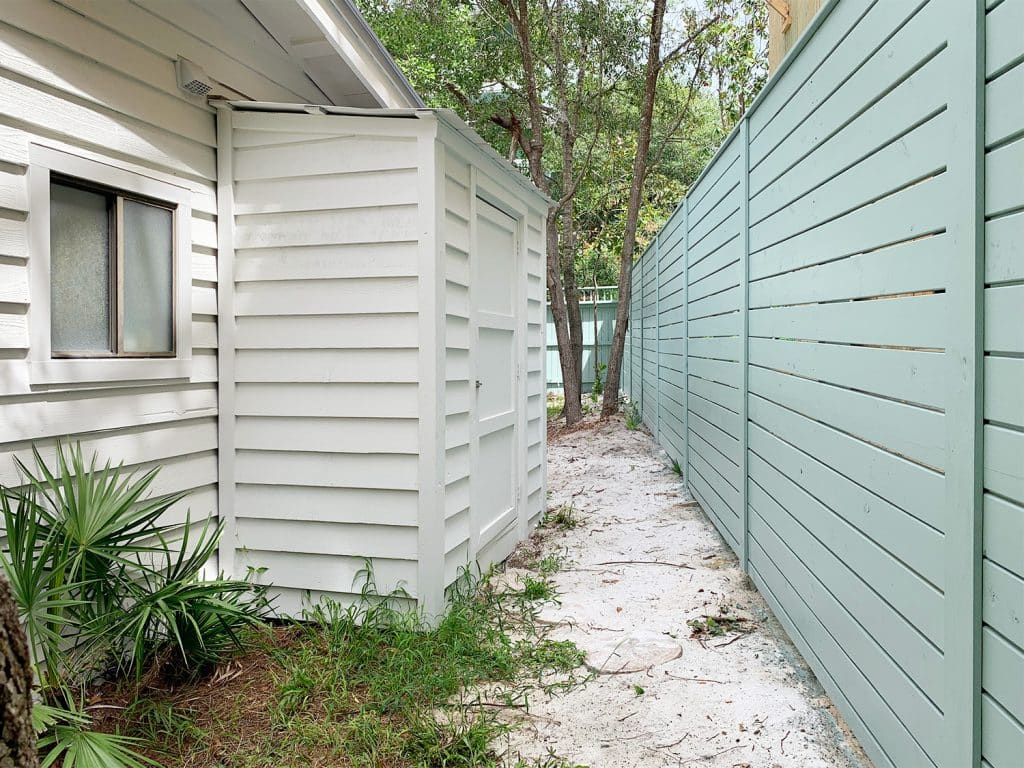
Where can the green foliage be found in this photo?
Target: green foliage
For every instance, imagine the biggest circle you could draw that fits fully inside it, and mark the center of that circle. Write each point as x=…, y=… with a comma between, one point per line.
x=66, y=737
x=538, y=589
x=375, y=683
x=555, y=405
x=632, y=417
x=676, y=468
x=462, y=54
x=598, y=388
x=103, y=587
x=564, y=518
x=548, y=564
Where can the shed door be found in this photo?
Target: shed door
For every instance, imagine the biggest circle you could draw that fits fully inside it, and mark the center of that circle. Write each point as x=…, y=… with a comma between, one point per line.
x=494, y=281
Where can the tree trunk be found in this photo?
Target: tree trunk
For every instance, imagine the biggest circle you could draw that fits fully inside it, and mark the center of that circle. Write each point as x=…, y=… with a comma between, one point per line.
x=18, y=739
x=643, y=145
x=571, y=377
x=572, y=294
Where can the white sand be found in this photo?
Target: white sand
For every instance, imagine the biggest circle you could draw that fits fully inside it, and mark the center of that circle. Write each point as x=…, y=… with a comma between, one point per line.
x=711, y=702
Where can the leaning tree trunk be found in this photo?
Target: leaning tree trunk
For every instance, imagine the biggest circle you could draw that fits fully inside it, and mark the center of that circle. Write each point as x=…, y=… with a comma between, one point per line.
x=640, y=165
x=571, y=377
x=17, y=738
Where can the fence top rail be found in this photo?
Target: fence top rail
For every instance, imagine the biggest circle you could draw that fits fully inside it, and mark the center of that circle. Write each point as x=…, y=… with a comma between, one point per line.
x=600, y=294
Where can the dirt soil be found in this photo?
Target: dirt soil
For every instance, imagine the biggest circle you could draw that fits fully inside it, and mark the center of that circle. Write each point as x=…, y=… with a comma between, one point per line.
x=645, y=562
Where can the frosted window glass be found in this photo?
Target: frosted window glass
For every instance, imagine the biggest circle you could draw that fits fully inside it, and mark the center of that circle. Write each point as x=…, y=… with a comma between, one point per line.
x=79, y=271
x=148, y=278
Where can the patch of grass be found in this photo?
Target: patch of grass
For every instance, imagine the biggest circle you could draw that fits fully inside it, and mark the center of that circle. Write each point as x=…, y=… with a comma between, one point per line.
x=564, y=518
x=372, y=684
x=632, y=417
x=535, y=590
x=555, y=404
x=162, y=721
x=548, y=564
x=676, y=468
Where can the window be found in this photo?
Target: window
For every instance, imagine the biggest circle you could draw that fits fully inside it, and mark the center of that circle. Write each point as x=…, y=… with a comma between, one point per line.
x=111, y=273
x=110, y=295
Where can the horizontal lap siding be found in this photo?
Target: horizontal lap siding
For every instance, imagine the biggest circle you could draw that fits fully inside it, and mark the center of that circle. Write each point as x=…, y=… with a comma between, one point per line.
x=1003, y=434
x=98, y=80
x=536, y=405
x=714, y=324
x=327, y=337
x=458, y=382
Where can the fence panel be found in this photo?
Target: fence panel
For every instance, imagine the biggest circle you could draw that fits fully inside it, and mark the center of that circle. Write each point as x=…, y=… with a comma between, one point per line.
x=603, y=328
x=1002, y=669
x=714, y=329
x=854, y=366
x=672, y=335
x=649, y=315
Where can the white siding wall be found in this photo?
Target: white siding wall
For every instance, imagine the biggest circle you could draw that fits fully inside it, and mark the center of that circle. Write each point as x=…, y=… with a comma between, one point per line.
x=459, y=389
x=97, y=79
x=467, y=169
x=326, y=363
x=536, y=405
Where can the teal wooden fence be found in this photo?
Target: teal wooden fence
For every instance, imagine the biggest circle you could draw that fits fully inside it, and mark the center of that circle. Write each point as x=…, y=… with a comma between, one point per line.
x=606, y=301
x=828, y=334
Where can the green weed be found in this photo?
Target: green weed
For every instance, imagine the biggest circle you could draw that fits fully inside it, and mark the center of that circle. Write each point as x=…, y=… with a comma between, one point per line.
x=537, y=589
x=564, y=518
x=548, y=564
x=631, y=416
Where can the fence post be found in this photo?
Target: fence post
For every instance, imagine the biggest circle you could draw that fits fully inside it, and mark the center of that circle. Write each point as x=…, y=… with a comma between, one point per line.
x=744, y=138
x=657, y=335
x=640, y=284
x=686, y=340
x=964, y=387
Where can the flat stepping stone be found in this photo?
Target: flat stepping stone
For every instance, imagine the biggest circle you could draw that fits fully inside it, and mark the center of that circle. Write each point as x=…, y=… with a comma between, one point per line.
x=633, y=653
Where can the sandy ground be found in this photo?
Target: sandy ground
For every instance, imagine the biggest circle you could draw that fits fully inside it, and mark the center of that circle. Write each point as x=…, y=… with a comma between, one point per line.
x=743, y=699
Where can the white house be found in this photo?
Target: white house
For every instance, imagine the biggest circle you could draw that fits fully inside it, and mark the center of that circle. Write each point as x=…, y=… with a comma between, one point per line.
x=233, y=243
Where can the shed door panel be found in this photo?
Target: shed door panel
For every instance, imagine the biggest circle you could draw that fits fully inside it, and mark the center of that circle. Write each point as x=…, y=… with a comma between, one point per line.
x=494, y=504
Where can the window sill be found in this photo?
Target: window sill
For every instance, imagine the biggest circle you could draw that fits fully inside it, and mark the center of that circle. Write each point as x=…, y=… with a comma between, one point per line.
x=88, y=371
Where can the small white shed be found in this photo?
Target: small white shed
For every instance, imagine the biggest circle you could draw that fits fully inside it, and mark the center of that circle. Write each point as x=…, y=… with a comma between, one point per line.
x=285, y=307
x=382, y=344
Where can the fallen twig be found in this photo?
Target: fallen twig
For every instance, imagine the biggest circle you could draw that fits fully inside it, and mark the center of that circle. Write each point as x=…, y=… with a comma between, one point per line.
x=730, y=642
x=782, y=741
x=646, y=562
x=716, y=754
x=674, y=743
x=694, y=679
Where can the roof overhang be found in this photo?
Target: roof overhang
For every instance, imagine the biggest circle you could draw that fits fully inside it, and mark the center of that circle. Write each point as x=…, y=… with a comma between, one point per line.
x=339, y=52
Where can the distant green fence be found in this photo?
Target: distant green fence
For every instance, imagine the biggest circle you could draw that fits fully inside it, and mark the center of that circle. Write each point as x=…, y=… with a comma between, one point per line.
x=605, y=301
x=828, y=335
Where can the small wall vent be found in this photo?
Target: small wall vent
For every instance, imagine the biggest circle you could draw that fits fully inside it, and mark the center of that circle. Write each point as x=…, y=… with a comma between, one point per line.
x=192, y=78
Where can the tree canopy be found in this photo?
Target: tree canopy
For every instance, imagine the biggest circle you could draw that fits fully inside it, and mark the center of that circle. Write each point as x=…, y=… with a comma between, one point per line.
x=557, y=86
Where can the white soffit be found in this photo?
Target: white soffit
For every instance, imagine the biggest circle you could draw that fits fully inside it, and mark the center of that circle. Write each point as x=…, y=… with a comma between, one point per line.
x=337, y=50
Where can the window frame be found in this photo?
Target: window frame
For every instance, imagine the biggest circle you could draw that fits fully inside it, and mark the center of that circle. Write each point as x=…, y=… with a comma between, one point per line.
x=46, y=165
